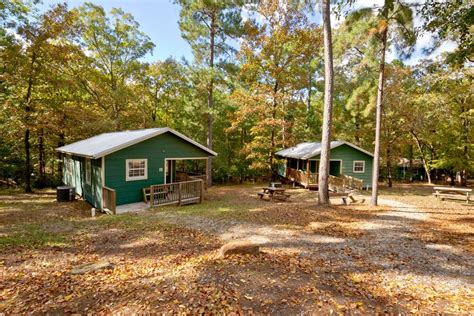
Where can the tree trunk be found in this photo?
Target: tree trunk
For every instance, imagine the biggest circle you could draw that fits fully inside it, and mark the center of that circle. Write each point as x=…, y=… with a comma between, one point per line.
x=378, y=121
x=411, y=163
x=272, y=140
x=465, y=125
x=310, y=82
x=323, y=192
x=27, y=124
x=210, y=99
x=425, y=164
x=452, y=176
x=357, y=130
x=61, y=142
x=389, y=166
x=27, y=162
x=42, y=158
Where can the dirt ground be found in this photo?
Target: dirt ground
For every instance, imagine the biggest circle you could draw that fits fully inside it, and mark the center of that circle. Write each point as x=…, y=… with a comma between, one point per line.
x=413, y=254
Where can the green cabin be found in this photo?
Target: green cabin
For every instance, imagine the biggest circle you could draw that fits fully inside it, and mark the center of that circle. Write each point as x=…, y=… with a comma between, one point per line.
x=346, y=159
x=126, y=162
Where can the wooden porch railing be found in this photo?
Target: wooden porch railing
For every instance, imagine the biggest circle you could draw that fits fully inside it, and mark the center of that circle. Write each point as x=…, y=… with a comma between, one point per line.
x=178, y=193
x=335, y=183
x=109, y=199
x=184, y=176
x=352, y=182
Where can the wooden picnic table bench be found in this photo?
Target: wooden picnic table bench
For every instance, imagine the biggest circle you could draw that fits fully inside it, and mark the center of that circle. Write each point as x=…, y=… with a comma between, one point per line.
x=274, y=193
x=452, y=193
x=346, y=195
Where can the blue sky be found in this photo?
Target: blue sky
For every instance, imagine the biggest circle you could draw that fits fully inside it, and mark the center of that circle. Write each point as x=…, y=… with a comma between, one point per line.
x=159, y=20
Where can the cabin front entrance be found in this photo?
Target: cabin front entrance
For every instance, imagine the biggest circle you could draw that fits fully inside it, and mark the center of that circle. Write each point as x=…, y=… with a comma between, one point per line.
x=170, y=171
x=178, y=170
x=335, y=168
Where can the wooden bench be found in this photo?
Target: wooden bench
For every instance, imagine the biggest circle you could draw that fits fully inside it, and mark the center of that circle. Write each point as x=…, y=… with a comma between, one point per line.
x=346, y=195
x=452, y=193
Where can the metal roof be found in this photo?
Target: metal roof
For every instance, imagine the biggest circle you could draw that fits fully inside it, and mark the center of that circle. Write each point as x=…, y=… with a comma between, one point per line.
x=308, y=149
x=107, y=143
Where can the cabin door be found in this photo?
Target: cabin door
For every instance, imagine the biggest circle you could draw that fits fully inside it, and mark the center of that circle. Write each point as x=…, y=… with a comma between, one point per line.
x=170, y=178
x=335, y=168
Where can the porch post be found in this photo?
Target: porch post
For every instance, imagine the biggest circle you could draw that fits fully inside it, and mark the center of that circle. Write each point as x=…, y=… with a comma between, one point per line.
x=152, y=196
x=202, y=191
x=179, y=192
x=308, y=171
x=208, y=175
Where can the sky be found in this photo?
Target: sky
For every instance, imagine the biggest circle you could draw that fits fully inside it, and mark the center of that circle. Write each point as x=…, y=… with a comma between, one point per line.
x=159, y=20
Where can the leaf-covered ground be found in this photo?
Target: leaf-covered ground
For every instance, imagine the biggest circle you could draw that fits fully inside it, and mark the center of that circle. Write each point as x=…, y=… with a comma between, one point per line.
x=354, y=258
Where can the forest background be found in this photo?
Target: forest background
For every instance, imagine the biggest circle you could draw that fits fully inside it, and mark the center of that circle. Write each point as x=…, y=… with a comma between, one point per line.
x=254, y=85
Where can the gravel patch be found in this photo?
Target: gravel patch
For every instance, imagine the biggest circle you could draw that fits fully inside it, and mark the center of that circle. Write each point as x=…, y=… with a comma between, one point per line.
x=387, y=249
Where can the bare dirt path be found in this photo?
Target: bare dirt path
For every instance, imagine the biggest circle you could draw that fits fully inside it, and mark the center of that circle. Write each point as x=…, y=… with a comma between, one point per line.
x=385, y=247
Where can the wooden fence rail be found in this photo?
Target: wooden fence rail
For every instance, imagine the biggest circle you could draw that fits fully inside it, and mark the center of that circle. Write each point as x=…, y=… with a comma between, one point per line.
x=178, y=193
x=184, y=176
x=109, y=199
x=335, y=183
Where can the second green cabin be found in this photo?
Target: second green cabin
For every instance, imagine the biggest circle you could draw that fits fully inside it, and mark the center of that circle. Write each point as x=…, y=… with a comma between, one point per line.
x=345, y=159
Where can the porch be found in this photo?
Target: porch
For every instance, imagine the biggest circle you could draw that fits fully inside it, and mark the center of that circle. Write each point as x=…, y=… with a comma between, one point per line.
x=309, y=180
x=176, y=193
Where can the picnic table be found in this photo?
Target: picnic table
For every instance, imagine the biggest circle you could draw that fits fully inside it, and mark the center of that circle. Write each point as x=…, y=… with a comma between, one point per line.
x=345, y=196
x=274, y=193
x=452, y=193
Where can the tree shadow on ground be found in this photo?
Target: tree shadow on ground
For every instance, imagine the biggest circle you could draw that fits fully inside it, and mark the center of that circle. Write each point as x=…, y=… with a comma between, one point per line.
x=385, y=265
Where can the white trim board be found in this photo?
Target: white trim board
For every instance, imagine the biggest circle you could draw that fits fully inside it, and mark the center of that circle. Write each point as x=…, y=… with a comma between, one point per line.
x=363, y=166
x=136, y=178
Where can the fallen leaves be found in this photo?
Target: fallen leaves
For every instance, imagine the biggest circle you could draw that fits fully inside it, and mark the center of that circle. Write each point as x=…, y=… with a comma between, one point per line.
x=172, y=269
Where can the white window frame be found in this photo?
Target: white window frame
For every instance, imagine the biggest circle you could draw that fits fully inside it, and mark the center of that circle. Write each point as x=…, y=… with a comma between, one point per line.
x=127, y=170
x=354, y=165
x=88, y=171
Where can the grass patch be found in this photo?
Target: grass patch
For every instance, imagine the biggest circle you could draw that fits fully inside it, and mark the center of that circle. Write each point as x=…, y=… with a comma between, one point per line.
x=32, y=236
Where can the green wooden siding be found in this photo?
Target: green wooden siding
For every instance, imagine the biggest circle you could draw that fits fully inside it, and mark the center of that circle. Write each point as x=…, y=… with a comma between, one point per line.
x=155, y=150
x=74, y=175
x=93, y=192
x=348, y=155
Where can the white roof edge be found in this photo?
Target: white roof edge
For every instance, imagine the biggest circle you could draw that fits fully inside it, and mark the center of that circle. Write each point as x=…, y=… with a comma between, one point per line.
x=75, y=154
x=139, y=140
x=210, y=151
x=355, y=147
x=317, y=152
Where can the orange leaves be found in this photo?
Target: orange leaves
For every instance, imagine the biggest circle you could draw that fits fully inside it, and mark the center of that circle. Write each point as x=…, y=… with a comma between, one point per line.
x=171, y=269
x=382, y=26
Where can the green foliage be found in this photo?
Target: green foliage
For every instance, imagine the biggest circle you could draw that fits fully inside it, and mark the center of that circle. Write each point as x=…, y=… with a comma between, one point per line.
x=255, y=84
x=274, y=57
x=451, y=20
x=114, y=45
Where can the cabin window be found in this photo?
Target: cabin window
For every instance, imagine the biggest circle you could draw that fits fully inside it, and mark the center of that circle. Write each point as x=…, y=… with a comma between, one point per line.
x=358, y=166
x=136, y=169
x=88, y=171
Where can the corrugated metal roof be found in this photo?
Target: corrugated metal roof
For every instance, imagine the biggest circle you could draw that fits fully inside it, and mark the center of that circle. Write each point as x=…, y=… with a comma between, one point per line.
x=107, y=143
x=308, y=149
